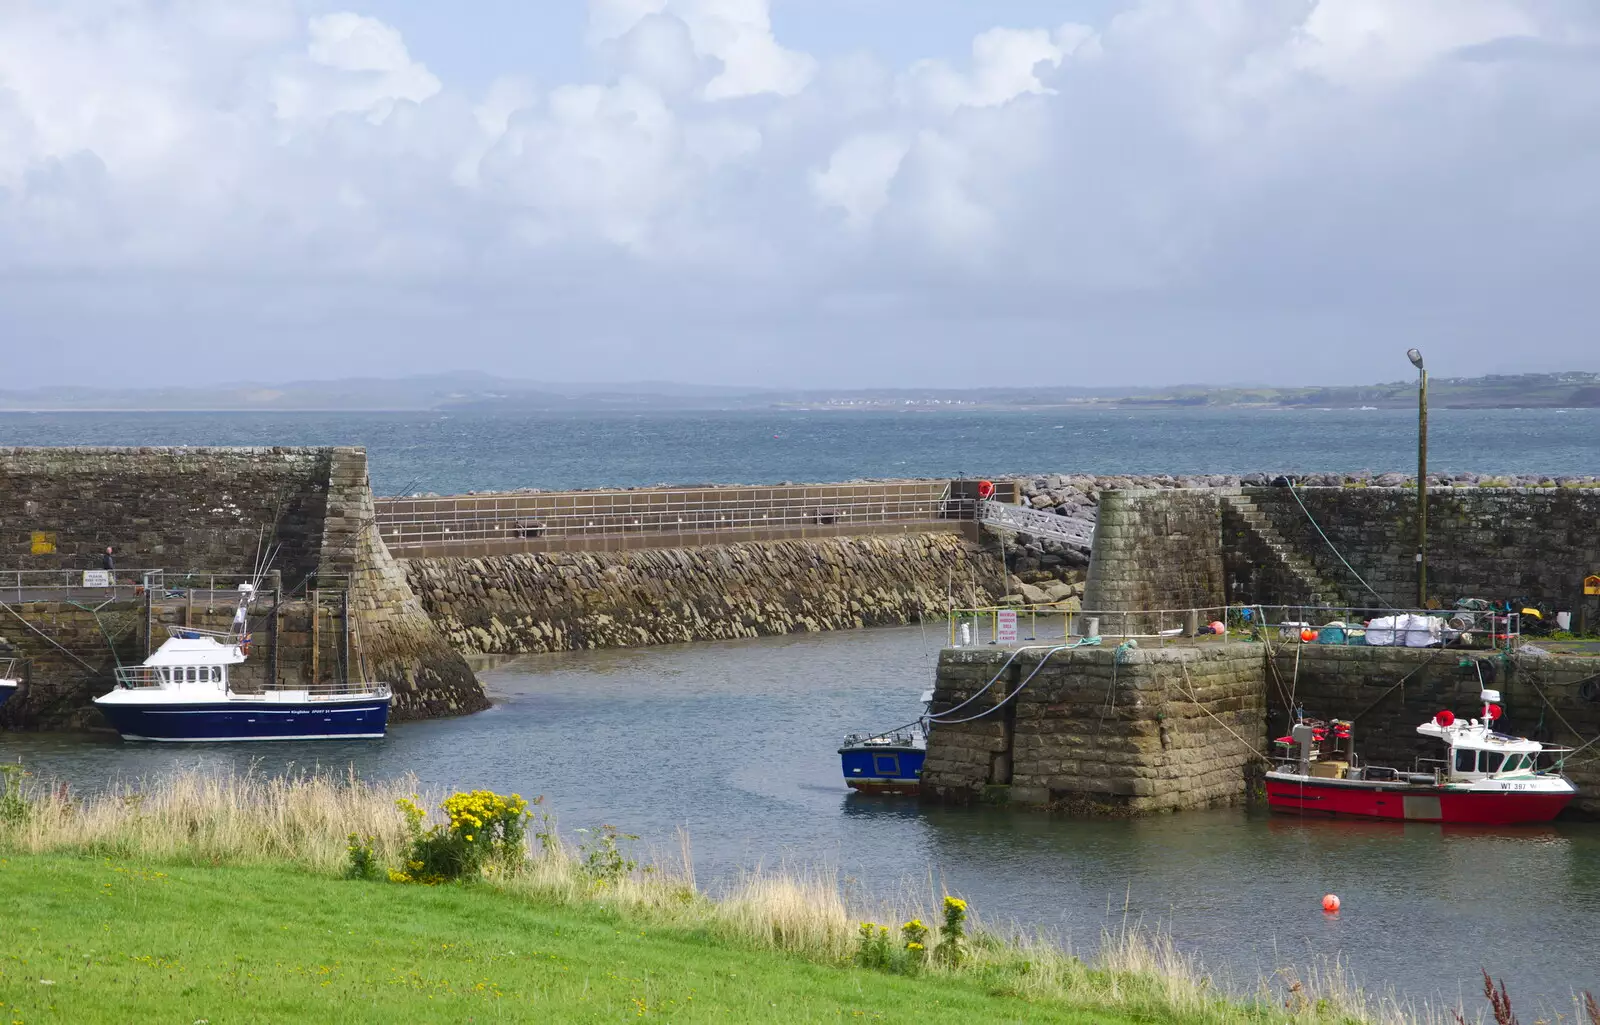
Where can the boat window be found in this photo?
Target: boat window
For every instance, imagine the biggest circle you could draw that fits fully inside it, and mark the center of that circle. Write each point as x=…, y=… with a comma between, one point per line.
x=1466, y=760
x=1491, y=761
x=1517, y=763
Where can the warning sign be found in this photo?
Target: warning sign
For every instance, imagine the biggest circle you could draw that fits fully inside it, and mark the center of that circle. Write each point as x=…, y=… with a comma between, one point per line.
x=1005, y=627
x=1591, y=585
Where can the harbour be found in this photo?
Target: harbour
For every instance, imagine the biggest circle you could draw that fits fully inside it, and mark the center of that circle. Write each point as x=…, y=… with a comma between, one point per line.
x=733, y=741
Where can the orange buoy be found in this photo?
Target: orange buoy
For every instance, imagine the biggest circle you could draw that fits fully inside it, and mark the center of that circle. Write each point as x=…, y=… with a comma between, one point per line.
x=1308, y=635
x=1217, y=627
x=1331, y=903
x=986, y=489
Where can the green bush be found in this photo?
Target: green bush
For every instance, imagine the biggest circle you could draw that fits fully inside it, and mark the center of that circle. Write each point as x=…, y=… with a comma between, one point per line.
x=484, y=830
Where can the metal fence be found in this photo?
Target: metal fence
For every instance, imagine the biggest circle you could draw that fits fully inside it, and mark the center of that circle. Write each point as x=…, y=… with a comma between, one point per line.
x=26, y=585
x=1287, y=624
x=657, y=516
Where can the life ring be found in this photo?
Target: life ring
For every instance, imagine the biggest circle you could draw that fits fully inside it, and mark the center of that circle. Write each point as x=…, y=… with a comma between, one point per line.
x=986, y=489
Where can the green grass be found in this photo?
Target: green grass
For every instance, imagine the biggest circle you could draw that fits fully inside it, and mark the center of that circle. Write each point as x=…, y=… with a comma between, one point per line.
x=96, y=940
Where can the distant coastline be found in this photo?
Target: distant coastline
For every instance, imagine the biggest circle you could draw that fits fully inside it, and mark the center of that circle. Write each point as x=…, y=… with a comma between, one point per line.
x=473, y=393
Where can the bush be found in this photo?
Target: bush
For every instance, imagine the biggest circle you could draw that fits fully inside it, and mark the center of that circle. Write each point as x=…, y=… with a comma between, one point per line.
x=14, y=803
x=603, y=861
x=363, y=860
x=484, y=830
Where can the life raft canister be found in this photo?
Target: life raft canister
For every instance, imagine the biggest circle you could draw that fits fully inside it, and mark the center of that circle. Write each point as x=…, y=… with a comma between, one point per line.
x=986, y=489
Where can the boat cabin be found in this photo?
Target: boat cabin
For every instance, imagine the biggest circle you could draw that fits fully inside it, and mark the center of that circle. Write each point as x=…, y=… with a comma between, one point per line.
x=188, y=660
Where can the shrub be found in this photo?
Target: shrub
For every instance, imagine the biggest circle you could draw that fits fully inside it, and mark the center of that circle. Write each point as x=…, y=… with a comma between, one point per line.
x=603, y=861
x=873, y=949
x=14, y=803
x=484, y=830
x=363, y=860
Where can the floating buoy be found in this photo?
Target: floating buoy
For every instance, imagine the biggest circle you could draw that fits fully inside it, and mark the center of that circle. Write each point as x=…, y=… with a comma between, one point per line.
x=1330, y=903
x=1308, y=635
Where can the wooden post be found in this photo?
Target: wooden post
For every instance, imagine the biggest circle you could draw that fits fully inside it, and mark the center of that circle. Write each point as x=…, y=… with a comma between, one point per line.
x=344, y=639
x=272, y=640
x=316, y=635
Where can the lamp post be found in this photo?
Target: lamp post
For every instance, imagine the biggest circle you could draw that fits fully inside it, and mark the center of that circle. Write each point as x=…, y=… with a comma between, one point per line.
x=1415, y=356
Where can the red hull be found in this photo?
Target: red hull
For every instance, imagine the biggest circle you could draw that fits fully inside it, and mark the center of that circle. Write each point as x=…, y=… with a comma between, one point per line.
x=1412, y=804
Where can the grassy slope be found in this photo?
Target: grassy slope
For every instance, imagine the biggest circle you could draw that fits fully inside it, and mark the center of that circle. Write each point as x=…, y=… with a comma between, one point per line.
x=125, y=942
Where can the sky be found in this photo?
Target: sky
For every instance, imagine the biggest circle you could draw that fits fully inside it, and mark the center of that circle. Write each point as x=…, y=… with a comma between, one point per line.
x=818, y=193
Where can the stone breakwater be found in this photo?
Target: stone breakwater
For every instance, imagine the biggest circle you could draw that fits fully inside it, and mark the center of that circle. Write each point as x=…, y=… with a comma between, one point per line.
x=564, y=601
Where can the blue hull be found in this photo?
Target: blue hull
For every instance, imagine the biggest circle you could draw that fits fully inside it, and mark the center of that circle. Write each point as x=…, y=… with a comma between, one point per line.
x=6, y=692
x=883, y=770
x=242, y=720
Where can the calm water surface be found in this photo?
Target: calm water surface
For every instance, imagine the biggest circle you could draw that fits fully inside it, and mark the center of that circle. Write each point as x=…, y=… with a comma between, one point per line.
x=734, y=742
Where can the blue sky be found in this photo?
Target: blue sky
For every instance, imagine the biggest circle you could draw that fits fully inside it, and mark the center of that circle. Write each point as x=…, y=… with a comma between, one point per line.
x=813, y=192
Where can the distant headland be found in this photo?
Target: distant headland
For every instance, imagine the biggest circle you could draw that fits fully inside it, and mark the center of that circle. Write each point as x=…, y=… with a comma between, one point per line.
x=483, y=393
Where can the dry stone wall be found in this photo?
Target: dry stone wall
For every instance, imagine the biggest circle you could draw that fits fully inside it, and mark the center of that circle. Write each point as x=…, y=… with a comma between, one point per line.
x=573, y=600
x=1099, y=732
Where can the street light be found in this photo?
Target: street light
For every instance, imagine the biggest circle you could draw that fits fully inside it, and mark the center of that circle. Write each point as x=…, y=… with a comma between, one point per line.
x=1415, y=356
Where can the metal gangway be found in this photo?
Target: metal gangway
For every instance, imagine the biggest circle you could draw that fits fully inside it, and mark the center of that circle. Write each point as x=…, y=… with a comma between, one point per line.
x=1068, y=530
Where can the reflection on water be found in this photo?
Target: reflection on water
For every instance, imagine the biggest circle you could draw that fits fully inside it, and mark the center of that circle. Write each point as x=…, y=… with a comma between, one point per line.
x=735, y=742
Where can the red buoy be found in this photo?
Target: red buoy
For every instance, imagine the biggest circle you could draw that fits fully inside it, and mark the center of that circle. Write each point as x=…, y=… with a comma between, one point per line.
x=986, y=489
x=1331, y=903
x=1308, y=635
x=1445, y=718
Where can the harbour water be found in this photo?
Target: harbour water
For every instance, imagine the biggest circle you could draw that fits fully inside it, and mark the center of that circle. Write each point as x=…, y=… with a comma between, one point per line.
x=734, y=742
x=460, y=452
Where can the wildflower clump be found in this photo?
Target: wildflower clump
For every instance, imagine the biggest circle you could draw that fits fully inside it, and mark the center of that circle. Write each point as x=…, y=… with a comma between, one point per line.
x=952, y=939
x=362, y=859
x=484, y=831
x=873, y=949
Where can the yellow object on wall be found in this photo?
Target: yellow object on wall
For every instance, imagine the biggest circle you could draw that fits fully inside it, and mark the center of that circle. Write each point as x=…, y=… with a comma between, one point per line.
x=1591, y=585
x=44, y=542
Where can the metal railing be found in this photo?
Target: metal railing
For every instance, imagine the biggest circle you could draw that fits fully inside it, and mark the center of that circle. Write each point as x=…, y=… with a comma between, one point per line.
x=412, y=523
x=1287, y=624
x=25, y=585
x=8, y=668
x=1023, y=519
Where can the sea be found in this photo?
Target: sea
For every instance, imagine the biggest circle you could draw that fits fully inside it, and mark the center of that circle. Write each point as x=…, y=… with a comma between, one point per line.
x=734, y=743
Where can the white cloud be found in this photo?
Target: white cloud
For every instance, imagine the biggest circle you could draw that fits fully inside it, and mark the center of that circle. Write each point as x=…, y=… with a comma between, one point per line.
x=1356, y=163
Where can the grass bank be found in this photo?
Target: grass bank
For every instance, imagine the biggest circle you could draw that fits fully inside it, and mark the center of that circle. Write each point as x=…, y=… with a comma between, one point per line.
x=223, y=898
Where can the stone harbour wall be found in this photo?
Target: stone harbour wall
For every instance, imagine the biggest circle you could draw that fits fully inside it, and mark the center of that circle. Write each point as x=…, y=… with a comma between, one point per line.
x=1156, y=550
x=564, y=601
x=1157, y=730
x=162, y=508
x=1483, y=542
x=212, y=509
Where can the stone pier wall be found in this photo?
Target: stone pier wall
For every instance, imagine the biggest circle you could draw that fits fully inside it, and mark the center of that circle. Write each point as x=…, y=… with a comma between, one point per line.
x=1160, y=730
x=562, y=601
x=1156, y=550
x=215, y=509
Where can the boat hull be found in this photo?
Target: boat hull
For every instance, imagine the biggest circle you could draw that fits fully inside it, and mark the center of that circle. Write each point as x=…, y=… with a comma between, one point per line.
x=226, y=721
x=1411, y=803
x=7, y=688
x=888, y=771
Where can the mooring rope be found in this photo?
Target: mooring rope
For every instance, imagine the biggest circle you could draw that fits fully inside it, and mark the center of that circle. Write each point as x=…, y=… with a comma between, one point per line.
x=48, y=638
x=1335, y=550
x=938, y=721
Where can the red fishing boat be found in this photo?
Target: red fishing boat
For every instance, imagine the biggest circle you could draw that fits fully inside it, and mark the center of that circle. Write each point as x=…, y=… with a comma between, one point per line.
x=1486, y=777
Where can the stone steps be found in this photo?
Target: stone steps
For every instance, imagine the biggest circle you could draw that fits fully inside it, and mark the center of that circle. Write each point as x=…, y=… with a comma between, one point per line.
x=1318, y=589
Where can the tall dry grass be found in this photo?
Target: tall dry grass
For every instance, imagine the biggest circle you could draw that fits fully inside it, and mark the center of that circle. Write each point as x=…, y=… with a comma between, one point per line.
x=306, y=820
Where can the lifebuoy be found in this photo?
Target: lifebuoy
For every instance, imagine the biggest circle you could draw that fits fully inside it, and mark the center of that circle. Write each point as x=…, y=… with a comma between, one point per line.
x=986, y=489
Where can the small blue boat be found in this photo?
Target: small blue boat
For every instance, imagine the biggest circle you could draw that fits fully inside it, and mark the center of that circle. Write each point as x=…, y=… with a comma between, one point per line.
x=181, y=694
x=889, y=764
x=8, y=679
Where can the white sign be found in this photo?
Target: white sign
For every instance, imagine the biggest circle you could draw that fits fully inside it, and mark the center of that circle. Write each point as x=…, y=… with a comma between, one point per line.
x=1005, y=627
x=97, y=578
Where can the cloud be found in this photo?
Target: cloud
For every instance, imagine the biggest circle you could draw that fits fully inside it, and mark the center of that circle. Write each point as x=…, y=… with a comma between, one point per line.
x=1189, y=176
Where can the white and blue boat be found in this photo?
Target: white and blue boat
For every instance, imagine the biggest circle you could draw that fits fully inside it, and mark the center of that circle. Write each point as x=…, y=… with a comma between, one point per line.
x=9, y=683
x=889, y=764
x=182, y=693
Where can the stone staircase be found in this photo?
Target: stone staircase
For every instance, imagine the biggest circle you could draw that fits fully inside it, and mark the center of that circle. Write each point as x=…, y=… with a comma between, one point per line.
x=1298, y=579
